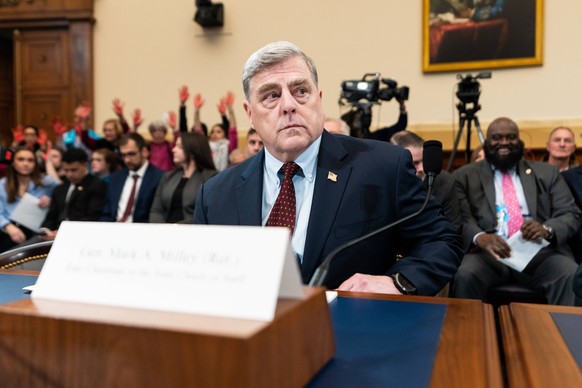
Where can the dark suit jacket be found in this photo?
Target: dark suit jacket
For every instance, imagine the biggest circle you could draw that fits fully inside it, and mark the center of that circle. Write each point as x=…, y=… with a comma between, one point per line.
x=159, y=211
x=546, y=193
x=85, y=203
x=145, y=195
x=445, y=192
x=573, y=177
x=376, y=185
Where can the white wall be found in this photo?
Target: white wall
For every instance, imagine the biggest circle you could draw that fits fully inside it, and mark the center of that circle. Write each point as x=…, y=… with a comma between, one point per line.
x=144, y=50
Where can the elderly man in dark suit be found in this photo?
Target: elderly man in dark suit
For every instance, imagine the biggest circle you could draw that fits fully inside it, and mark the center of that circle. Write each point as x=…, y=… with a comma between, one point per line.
x=336, y=188
x=131, y=191
x=503, y=195
x=79, y=198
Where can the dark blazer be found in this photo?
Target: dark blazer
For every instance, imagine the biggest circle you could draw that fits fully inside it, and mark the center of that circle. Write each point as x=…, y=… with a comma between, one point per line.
x=573, y=178
x=546, y=193
x=159, y=211
x=445, y=191
x=145, y=195
x=375, y=185
x=85, y=203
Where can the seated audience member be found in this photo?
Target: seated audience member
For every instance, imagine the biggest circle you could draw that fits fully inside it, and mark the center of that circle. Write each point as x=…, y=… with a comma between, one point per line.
x=31, y=139
x=503, y=195
x=160, y=148
x=254, y=143
x=80, y=198
x=339, y=188
x=336, y=127
x=176, y=193
x=561, y=147
x=104, y=163
x=444, y=188
x=54, y=162
x=131, y=191
x=23, y=176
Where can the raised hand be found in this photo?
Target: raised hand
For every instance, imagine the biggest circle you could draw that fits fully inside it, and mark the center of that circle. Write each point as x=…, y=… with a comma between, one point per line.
x=229, y=98
x=58, y=127
x=221, y=106
x=198, y=101
x=84, y=110
x=118, y=107
x=18, y=133
x=172, y=120
x=137, y=119
x=42, y=136
x=183, y=94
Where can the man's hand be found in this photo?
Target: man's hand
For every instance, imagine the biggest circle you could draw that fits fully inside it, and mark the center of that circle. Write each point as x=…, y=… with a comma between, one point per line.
x=370, y=283
x=494, y=245
x=137, y=119
x=533, y=230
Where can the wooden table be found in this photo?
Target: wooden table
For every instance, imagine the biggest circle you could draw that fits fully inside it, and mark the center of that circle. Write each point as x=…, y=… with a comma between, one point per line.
x=536, y=355
x=468, y=353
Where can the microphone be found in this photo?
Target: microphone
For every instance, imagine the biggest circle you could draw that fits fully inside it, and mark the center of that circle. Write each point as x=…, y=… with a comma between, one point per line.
x=432, y=160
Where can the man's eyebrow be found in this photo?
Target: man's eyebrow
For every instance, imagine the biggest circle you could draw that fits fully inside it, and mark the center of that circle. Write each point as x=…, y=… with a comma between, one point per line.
x=266, y=87
x=298, y=82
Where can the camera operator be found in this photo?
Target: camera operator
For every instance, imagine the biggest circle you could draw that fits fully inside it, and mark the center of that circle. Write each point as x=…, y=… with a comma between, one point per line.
x=353, y=118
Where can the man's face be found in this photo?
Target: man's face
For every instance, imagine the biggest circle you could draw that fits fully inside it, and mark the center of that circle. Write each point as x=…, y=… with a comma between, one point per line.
x=30, y=137
x=254, y=144
x=503, y=148
x=75, y=171
x=417, y=160
x=132, y=156
x=285, y=108
x=561, y=144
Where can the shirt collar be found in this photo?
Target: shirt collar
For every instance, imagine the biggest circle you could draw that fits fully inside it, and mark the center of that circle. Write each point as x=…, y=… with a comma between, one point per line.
x=307, y=161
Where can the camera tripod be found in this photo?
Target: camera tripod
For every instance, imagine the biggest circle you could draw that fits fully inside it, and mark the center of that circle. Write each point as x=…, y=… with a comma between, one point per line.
x=466, y=116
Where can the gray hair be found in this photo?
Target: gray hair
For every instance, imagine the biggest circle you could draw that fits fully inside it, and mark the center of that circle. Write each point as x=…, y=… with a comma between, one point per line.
x=270, y=55
x=158, y=124
x=407, y=139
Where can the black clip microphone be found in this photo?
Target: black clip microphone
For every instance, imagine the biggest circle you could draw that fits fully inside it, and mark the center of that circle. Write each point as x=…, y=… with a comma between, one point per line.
x=432, y=160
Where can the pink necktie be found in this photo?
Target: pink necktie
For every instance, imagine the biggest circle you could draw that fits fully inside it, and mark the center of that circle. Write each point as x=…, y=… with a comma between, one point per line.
x=283, y=212
x=513, y=208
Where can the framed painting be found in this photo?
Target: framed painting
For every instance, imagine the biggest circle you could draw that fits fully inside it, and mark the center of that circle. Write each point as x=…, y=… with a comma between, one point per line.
x=463, y=35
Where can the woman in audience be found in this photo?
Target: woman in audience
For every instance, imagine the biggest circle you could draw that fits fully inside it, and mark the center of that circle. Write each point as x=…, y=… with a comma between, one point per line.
x=23, y=176
x=561, y=147
x=160, y=148
x=223, y=139
x=104, y=163
x=176, y=193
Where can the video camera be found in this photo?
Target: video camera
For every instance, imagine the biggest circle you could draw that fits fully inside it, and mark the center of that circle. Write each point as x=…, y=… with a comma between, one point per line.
x=468, y=88
x=369, y=88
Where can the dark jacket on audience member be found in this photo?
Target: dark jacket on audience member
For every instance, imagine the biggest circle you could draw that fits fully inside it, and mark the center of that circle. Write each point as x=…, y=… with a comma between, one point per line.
x=85, y=203
x=145, y=195
x=573, y=177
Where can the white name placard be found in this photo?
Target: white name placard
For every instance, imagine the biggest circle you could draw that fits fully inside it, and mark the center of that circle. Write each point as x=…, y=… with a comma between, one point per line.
x=227, y=271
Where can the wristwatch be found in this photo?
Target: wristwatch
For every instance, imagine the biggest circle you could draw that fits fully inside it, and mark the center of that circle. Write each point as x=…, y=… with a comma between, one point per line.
x=550, y=231
x=402, y=284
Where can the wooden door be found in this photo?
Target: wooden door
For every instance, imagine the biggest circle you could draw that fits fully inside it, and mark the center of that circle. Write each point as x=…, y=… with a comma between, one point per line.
x=43, y=77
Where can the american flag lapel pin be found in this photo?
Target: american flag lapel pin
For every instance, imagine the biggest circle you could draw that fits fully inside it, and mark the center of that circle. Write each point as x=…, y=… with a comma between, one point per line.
x=332, y=176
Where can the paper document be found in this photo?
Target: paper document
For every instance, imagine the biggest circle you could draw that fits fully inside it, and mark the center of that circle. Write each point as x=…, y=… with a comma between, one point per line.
x=27, y=212
x=522, y=251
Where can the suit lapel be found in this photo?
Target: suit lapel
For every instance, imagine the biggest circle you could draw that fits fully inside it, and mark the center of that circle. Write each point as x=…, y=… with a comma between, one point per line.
x=327, y=196
x=486, y=176
x=528, y=182
x=249, y=197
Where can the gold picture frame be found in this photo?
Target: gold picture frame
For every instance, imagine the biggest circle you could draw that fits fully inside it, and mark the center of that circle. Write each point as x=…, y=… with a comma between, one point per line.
x=461, y=35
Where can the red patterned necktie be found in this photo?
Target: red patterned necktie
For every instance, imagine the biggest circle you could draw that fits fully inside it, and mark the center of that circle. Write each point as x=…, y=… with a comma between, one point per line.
x=131, y=200
x=512, y=203
x=283, y=212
